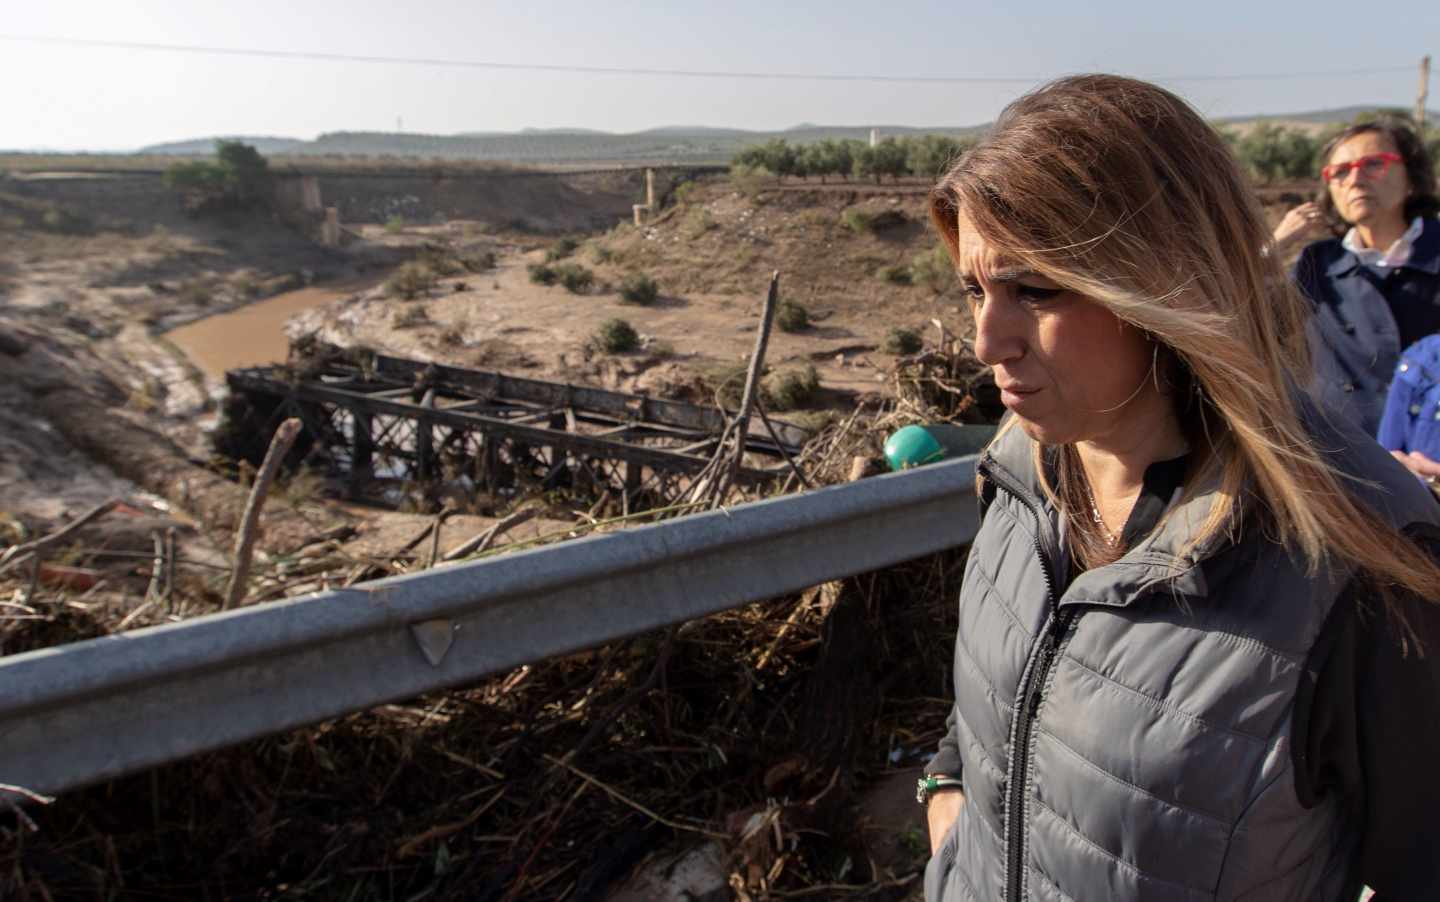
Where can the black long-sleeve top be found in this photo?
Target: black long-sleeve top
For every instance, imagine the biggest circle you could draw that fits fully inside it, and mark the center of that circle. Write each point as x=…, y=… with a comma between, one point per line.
x=1366, y=719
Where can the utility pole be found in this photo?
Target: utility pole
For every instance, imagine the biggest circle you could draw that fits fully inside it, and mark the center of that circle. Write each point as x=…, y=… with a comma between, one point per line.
x=1424, y=93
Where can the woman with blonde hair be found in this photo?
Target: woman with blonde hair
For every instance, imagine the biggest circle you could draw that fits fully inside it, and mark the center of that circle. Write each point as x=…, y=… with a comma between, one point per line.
x=1194, y=653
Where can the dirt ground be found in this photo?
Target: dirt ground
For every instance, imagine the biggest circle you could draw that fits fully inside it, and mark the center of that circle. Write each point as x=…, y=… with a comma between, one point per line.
x=712, y=257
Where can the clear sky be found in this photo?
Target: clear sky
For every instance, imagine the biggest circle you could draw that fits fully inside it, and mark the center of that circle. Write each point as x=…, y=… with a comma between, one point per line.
x=69, y=97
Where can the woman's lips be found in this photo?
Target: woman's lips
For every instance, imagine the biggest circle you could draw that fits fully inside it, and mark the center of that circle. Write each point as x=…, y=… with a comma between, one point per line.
x=1016, y=396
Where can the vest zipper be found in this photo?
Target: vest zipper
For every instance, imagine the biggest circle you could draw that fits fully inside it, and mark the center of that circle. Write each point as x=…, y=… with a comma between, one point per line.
x=1032, y=689
x=1032, y=683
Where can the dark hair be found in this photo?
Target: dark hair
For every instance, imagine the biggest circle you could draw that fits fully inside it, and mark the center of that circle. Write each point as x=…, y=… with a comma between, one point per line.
x=1418, y=169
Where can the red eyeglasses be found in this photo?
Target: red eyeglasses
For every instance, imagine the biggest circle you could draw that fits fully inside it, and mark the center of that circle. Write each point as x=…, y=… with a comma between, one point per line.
x=1371, y=166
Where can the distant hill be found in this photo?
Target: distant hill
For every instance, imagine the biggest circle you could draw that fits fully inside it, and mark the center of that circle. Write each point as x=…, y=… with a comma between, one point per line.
x=560, y=131
x=1322, y=117
x=203, y=146
x=672, y=144
x=697, y=144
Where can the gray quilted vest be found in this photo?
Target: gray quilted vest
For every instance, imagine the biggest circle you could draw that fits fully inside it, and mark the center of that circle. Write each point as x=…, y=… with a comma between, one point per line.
x=1129, y=738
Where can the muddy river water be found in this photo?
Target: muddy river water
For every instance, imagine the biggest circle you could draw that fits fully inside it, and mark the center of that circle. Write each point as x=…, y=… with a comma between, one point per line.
x=252, y=335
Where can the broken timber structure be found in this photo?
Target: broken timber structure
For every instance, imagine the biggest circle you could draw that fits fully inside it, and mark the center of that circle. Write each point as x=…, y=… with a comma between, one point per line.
x=370, y=416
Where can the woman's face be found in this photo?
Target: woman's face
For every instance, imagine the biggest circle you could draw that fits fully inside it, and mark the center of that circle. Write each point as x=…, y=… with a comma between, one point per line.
x=1067, y=367
x=1362, y=200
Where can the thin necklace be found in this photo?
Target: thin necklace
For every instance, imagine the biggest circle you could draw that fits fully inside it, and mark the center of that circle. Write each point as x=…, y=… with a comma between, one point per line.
x=1105, y=533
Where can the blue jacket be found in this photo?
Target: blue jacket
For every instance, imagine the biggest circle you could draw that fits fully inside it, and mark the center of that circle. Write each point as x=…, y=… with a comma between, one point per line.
x=1411, y=421
x=1354, y=339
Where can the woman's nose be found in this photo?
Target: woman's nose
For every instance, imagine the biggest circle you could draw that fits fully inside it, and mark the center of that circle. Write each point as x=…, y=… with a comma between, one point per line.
x=998, y=336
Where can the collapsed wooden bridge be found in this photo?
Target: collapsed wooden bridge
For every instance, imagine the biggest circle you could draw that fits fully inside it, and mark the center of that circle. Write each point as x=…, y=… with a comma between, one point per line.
x=372, y=417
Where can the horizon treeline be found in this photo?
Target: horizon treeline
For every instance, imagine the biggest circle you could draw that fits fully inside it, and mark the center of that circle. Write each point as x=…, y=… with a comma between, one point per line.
x=1269, y=152
x=919, y=155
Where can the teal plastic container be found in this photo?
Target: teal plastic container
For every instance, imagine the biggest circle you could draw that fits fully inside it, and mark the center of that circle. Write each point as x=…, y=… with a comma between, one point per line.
x=916, y=446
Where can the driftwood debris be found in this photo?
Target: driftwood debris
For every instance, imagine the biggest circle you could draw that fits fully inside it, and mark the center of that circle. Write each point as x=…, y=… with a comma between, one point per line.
x=20, y=553
x=485, y=539
x=245, y=539
x=712, y=484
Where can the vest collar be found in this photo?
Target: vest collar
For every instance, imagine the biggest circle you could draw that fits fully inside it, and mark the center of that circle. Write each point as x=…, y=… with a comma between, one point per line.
x=1424, y=255
x=1160, y=562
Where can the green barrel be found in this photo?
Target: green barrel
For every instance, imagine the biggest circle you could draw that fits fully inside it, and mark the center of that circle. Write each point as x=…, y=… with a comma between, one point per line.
x=916, y=446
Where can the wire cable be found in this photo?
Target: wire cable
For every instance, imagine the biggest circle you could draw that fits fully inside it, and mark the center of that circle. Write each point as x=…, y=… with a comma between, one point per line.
x=651, y=72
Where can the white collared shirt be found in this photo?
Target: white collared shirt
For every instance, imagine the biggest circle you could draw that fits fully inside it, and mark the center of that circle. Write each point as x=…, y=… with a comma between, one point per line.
x=1397, y=254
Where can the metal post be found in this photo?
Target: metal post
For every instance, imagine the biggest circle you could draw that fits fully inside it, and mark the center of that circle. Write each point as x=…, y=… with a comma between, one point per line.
x=362, y=446
x=1424, y=93
x=425, y=468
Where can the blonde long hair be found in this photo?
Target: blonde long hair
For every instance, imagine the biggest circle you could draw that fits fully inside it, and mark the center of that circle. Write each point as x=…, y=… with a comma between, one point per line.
x=1118, y=190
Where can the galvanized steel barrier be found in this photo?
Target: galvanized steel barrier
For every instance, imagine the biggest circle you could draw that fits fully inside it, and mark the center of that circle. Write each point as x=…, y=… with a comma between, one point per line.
x=75, y=714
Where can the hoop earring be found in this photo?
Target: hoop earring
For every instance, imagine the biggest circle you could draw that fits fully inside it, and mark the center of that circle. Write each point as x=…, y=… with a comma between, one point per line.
x=1154, y=362
x=1202, y=403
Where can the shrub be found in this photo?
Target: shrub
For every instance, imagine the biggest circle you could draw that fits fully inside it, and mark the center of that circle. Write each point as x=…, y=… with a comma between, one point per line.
x=441, y=260
x=247, y=172
x=685, y=191
x=445, y=260
x=238, y=177
x=816, y=218
x=922, y=155
x=791, y=317
x=697, y=222
x=726, y=383
x=638, y=288
x=789, y=389
x=857, y=221
x=576, y=278
x=601, y=254
x=749, y=179
x=63, y=221
x=616, y=336
x=453, y=335
x=411, y=280
x=245, y=285
x=410, y=317
x=280, y=284
x=902, y=341
x=896, y=275
x=561, y=249
x=480, y=261
x=887, y=219
x=542, y=274
x=1272, y=152
x=930, y=155
x=195, y=293
x=196, y=176
x=774, y=156
x=933, y=269
x=394, y=224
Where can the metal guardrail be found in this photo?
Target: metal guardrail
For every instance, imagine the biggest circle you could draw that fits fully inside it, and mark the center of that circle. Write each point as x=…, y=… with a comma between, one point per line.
x=80, y=713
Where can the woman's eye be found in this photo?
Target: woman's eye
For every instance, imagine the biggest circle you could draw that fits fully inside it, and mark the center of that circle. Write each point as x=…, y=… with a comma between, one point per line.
x=972, y=292
x=1035, y=294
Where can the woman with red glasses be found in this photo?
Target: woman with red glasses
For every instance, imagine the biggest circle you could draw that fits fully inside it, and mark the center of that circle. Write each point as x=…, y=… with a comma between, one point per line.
x=1376, y=289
